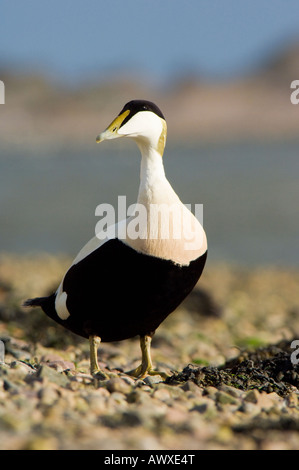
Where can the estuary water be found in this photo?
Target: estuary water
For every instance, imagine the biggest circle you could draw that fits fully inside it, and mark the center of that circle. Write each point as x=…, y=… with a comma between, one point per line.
x=249, y=191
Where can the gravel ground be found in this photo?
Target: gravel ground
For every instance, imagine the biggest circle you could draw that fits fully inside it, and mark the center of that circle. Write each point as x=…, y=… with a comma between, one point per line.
x=232, y=384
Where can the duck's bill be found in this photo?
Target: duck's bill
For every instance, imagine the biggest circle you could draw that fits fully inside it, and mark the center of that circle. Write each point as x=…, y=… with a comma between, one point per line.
x=112, y=130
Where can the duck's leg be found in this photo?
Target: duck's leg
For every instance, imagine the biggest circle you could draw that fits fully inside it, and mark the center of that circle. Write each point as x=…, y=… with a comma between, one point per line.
x=146, y=366
x=94, y=342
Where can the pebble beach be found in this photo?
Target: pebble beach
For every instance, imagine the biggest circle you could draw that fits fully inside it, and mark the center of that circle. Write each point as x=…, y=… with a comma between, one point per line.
x=227, y=351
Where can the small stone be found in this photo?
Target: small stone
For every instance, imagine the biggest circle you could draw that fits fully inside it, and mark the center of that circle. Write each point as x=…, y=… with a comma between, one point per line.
x=128, y=380
x=117, y=385
x=82, y=378
x=292, y=400
x=234, y=392
x=174, y=392
x=190, y=386
x=118, y=397
x=225, y=399
x=210, y=391
x=247, y=407
x=97, y=402
x=48, y=395
x=252, y=396
x=162, y=394
x=268, y=401
x=45, y=372
x=200, y=408
x=152, y=379
x=137, y=396
x=131, y=418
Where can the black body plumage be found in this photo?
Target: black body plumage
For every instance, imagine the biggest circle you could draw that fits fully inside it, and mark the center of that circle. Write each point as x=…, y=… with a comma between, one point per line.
x=117, y=293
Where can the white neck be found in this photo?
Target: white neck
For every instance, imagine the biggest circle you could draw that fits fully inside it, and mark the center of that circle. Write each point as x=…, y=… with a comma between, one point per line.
x=156, y=192
x=151, y=167
x=154, y=186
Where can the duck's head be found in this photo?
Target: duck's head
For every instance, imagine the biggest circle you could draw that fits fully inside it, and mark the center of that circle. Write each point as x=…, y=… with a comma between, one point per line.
x=142, y=121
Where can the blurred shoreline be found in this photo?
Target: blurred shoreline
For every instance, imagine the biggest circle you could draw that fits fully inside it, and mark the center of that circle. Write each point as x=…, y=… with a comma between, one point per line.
x=40, y=112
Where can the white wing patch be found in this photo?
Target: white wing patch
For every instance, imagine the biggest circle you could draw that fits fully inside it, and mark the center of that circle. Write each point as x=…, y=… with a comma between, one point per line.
x=60, y=305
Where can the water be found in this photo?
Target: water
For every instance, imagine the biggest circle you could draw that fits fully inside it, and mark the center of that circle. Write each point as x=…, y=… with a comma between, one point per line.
x=249, y=192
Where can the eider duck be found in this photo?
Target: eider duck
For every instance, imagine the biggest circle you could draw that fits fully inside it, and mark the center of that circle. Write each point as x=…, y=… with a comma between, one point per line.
x=122, y=285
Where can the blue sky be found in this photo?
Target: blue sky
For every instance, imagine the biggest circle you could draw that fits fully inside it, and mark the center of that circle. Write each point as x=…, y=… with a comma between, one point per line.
x=76, y=39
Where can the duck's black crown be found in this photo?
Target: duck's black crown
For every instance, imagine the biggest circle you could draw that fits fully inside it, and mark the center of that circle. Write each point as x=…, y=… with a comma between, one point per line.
x=135, y=106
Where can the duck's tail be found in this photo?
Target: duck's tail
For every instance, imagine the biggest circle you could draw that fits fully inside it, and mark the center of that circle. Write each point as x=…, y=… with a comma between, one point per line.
x=37, y=302
x=46, y=303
